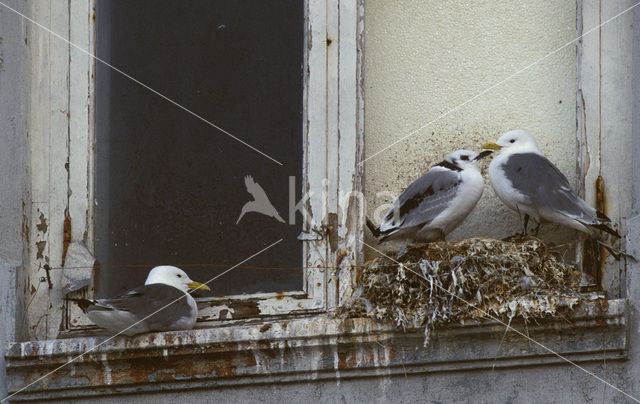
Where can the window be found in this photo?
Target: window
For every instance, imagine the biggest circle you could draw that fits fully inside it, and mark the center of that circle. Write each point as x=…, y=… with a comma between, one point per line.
x=169, y=187
x=309, y=103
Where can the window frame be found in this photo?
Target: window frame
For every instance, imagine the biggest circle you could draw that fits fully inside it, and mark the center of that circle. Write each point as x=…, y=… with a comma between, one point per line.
x=332, y=130
x=601, y=92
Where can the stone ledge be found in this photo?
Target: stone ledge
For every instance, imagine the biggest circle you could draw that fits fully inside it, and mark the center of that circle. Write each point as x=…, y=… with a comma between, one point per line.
x=303, y=349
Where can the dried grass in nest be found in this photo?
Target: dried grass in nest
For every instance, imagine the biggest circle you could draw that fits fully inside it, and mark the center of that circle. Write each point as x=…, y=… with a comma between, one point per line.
x=522, y=279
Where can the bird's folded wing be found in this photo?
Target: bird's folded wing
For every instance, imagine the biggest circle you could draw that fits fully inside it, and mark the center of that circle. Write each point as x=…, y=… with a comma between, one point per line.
x=539, y=180
x=423, y=200
x=146, y=300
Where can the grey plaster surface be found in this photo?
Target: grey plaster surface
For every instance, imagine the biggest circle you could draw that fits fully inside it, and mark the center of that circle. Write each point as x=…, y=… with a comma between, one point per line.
x=13, y=166
x=560, y=384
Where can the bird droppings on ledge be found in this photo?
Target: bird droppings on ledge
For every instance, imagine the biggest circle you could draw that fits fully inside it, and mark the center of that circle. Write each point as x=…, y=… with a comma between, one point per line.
x=449, y=282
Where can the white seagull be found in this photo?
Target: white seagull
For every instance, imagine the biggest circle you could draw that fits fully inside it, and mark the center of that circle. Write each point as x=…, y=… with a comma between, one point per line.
x=164, y=292
x=527, y=182
x=260, y=202
x=436, y=203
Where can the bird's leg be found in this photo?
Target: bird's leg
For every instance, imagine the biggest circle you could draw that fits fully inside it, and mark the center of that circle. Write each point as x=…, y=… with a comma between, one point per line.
x=526, y=223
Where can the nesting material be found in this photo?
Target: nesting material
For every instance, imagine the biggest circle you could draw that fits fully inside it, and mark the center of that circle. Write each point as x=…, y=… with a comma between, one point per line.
x=431, y=285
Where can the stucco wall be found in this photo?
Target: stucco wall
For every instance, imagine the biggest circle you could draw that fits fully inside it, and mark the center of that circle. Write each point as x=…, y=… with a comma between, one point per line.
x=534, y=385
x=423, y=58
x=13, y=169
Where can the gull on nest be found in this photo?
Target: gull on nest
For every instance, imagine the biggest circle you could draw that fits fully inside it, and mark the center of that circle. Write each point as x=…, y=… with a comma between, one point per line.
x=527, y=182
x=436, y=203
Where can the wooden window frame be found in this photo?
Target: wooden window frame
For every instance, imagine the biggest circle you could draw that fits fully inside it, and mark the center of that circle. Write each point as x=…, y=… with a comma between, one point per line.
x=603, y=99
x=63, y=168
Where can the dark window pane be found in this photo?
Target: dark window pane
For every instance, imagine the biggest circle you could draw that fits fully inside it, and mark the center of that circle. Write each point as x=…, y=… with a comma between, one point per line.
x=169, y=187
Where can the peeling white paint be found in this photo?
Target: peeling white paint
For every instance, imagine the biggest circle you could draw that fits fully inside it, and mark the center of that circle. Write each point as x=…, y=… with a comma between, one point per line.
x=56, y=94
x=107, y=373
x=313, y=346
x=216, y=312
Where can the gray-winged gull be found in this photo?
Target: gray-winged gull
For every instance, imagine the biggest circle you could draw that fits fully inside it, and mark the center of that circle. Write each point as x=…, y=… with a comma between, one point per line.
x=165, y=286
x=436, y=203
x=527, y=182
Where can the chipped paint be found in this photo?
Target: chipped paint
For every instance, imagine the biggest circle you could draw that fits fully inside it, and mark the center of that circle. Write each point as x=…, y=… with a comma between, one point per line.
x=226, y=308
x=332, y=230
x=318, y=348
x=222, y=312
x=42, y=225
x=40, y=246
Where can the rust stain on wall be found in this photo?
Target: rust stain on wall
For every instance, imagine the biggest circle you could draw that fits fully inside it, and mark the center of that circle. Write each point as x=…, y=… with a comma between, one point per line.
x=265, y=327
x=346, y=359
x=601, y=205
x=66, y=229
x=340, y=257
x=600, y=195
x=119, y=369
x=594, y=255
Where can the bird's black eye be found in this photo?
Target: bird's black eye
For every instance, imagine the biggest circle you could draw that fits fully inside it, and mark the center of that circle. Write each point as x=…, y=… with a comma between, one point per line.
x=465, y=158
x=179, y=276
x=512, y=140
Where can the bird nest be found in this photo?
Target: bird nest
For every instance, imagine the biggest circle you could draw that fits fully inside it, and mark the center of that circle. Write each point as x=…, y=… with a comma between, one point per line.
x=447, y=282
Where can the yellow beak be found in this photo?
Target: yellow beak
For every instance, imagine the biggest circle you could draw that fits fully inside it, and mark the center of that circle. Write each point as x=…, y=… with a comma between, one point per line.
x=491, y=146
x=198, y=286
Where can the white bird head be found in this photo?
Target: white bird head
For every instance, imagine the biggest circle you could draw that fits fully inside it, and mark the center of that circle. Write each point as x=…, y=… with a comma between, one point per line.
x=517, y=139
x=465, y=158
x=173, y=276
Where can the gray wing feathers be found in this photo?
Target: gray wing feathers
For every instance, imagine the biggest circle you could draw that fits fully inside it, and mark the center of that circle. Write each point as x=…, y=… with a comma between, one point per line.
x=547, y=188
x=147, y=299
x=431, y=207
x=423, y=200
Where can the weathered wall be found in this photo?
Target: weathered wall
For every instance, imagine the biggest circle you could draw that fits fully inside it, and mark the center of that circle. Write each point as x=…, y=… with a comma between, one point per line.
x=635, y=153
x=13, y=149
x=501, y=386
x=417, y=67
x=423, y=58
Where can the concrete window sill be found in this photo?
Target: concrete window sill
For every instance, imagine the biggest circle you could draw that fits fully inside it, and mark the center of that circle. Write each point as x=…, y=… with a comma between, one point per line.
x=302, y=349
